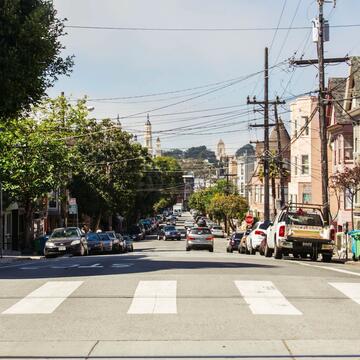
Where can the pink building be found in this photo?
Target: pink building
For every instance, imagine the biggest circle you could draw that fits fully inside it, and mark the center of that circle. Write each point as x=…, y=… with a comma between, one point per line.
x=340, y=137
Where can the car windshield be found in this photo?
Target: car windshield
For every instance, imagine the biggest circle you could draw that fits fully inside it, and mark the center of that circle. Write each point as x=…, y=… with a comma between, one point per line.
x=217, y=227
x=169, y=228
x=301, y=217
x=104, y=236
x=111, y=234
x=64, y=233
x=92, y=237
x=264, y=225
x=239, y=235
x=200, y=231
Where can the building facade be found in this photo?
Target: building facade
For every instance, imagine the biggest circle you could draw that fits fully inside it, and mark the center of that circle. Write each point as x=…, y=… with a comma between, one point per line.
x=305, y=184
x=148, y=136
x=246, y=159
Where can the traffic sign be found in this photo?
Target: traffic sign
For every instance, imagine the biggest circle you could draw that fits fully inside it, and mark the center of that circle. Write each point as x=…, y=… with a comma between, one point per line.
x=249, y=219
x=73, y=209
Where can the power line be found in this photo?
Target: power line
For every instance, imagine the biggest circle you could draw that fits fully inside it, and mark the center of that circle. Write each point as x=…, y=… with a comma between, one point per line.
x=155, y=29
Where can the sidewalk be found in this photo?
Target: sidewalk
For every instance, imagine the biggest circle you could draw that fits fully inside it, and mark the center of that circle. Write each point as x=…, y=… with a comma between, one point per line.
x=9, y=259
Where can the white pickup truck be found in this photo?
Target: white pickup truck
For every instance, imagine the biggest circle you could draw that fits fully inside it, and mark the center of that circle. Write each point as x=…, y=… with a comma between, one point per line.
x=300, y=230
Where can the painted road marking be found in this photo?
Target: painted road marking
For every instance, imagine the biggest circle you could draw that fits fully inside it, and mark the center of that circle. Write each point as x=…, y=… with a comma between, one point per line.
x=264, y=298
x=324, y=267
x=121, y=265
x=45, y=299
x=93, y=266
x=351, y=290
x=154, y=297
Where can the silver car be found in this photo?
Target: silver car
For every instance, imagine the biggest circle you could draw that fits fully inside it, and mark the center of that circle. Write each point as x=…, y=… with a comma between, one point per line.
x=200, y=238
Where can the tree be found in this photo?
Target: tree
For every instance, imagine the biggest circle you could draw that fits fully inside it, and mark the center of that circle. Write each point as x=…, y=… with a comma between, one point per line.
x=33, y=162
x=30, y=54
x=348, y=182
x=200, y=152
x=174, y=153
x=229, y=207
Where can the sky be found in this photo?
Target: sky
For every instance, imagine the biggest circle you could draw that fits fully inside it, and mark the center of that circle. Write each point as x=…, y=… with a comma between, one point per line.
x=194, y=84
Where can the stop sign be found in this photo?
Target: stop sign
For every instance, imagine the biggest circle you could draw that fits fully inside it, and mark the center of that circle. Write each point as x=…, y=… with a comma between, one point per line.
x=249, y=219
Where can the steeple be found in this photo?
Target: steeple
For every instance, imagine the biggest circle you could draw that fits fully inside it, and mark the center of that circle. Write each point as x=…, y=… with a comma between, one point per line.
x=148, y=136
x=158, y=147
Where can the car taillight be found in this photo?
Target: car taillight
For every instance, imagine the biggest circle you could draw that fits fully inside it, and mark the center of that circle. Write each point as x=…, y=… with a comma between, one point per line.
x=210, y=238
x=282, y=231
x=258, y=232
x=232, y=242
x=191, y=238
x=332, y=234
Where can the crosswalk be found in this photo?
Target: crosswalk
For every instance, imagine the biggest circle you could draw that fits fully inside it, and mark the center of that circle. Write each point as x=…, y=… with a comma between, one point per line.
x=160, y=297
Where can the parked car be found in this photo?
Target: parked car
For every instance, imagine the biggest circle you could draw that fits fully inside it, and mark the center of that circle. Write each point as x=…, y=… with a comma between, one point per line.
x=136, y=233
x=300, y=230
x=262, y=247
x=234, y=241
x=201, y=222
x=242, y=245
x=94, y=242
x=107, y=242
x=69, y=240
x=217, y=231
x=171, y=220
x=188, y=224
x=117, y=242
x=128, y=242
x=257, y=235
x=200, y=238
x=169, y=232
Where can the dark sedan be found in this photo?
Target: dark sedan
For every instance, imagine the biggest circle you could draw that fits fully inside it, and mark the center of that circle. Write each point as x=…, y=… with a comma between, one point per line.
x=107, y=242
x=169, y=232
x=95, y=244
x=234, y=241
x=68, y=240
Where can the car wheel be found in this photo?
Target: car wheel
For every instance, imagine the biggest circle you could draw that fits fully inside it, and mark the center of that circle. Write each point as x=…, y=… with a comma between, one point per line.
x=267, y=252
x=211, y=249
x=277, y=253
x=188, y=248
x=231, y=250
x=261, y=252
x=326, y=258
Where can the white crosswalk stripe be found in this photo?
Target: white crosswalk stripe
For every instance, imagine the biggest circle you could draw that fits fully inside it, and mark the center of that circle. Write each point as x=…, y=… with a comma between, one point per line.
x=45, y=299
x=264, y=298
x=154, y=297
x=351, y=290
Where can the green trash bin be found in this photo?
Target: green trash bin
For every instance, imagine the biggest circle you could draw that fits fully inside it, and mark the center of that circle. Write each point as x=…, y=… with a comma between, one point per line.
x=355, y=244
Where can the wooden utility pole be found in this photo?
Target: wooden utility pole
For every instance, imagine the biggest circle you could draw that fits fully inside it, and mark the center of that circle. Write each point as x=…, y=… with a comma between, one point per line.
x=265, y=105
x=280, y=159
x=322, y=103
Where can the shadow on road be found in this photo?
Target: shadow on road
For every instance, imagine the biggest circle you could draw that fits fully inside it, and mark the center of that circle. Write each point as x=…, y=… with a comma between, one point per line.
x=103, y=265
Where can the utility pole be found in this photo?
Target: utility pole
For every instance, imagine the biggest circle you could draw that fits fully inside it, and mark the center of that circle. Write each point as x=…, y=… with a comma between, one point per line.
x=321, y=61
x=265, y=105
x=280, y=159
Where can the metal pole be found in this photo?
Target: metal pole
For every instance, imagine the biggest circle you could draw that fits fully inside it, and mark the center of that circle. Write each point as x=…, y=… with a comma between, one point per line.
x=322, y=114
x=266, y=138
x=280, y=160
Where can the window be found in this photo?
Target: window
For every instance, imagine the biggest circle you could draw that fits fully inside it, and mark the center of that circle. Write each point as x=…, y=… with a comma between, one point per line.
x=306, y=198
x=305, y=125
x=242, y=170
x=348, y=148
x=295, y=165
x=295, y=127
x=305, y=164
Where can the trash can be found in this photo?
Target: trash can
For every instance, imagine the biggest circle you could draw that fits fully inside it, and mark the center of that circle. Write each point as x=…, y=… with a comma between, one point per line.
x=355, y=244
x=40, y=244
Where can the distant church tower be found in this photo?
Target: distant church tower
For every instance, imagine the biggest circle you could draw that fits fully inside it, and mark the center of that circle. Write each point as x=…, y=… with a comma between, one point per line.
x=118, y=122
x=148, y=136
x=158, y=147
x=220, y=153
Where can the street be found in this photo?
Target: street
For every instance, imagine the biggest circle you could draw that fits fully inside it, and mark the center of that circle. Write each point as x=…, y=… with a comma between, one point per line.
x=164, y=302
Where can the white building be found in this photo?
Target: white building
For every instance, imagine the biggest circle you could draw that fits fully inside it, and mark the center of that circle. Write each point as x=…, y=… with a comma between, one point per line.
x=246, y=159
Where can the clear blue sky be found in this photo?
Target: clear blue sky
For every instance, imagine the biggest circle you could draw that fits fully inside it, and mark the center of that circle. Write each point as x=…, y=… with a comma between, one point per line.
x=113, y=63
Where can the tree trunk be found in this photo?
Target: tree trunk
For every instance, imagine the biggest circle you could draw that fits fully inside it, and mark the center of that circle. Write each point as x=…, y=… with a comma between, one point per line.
x=98, y=219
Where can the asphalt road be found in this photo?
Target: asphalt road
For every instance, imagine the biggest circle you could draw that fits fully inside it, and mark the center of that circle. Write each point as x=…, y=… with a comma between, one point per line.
x=162, y=302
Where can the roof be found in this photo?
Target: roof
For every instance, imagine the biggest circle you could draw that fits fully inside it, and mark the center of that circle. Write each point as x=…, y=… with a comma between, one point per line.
x=247, y=149
x=337, y=88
